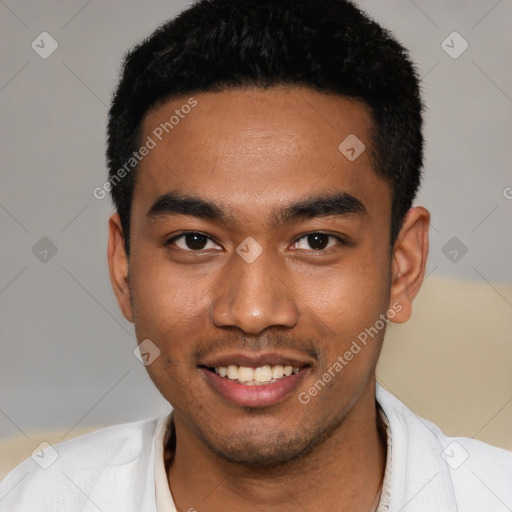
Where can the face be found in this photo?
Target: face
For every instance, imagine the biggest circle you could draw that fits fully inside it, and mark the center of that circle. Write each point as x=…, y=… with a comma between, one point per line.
x=279, y=257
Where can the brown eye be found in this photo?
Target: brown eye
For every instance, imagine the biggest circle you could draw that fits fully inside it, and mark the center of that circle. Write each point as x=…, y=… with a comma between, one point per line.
x=191, y=241
x=317, y=241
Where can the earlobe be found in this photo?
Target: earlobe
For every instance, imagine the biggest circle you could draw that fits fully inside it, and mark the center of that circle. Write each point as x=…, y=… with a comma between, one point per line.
x=118, y=266
x=409, y=261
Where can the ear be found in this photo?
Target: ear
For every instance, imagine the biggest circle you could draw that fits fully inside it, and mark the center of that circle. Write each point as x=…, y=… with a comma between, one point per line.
x=118, y=266
x=409, y=261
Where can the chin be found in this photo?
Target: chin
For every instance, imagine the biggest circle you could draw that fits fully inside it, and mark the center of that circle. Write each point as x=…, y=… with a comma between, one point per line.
x=256, y=451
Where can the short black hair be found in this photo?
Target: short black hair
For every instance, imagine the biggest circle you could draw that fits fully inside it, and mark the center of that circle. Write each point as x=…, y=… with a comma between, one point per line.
x=326, y=45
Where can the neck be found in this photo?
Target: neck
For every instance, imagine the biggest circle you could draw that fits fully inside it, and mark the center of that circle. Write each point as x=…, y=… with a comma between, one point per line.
x=343, y=473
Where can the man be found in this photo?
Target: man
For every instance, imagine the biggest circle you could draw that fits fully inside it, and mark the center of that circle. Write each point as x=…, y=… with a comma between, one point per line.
x=264, y=157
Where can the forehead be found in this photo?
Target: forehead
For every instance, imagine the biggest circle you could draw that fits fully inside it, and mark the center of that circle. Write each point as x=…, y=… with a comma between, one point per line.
x=259, y=147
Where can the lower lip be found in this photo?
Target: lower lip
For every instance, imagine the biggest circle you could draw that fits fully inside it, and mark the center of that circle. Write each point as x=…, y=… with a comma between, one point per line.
x=258, y=395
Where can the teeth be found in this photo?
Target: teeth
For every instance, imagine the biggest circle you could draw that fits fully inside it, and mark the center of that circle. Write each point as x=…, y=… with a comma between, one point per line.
x=232, y=372
x=253, y=376
x=245, y=374
x=277, y=371
x=262, y=374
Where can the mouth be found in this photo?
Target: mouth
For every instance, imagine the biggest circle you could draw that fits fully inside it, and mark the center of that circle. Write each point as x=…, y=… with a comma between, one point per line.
x=258, y=376
x=250, y=381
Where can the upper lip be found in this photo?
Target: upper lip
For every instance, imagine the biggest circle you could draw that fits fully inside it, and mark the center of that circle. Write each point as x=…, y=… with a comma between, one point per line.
x=255, y=360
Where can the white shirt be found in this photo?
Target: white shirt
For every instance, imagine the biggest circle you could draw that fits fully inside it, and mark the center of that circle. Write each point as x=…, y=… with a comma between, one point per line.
x=121, y=469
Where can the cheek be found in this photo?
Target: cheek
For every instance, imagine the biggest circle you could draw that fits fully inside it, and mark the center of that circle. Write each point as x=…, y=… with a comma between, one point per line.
x=345, y=307
x=167, y=306
x=169, y=309
x=351, y=293
x=165, y=295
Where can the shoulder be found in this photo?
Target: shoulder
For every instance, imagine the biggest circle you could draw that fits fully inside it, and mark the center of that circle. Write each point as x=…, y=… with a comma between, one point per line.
x=470, y=474
x=62, y=476
x=481, y=474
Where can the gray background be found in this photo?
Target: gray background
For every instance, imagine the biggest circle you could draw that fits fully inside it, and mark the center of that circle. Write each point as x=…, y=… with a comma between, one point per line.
x=66, y=351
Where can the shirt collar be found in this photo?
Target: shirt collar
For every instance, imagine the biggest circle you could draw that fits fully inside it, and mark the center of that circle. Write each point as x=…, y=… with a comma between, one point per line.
x=164, y=433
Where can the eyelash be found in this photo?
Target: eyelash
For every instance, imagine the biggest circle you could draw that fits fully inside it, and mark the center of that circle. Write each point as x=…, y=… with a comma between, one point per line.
x=337, y=238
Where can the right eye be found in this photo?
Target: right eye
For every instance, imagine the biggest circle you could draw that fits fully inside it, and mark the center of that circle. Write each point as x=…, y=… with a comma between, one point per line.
x=191, y=241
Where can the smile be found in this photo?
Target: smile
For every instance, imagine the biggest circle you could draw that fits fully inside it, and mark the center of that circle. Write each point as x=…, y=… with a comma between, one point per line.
x=248, y=376
x=262, y=386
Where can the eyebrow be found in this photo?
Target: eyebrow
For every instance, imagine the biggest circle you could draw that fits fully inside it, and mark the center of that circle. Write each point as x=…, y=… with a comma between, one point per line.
x=339, y=204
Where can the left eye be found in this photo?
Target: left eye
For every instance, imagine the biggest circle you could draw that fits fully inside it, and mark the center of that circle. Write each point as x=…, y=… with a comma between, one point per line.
x=317, y=241
x=192, y=241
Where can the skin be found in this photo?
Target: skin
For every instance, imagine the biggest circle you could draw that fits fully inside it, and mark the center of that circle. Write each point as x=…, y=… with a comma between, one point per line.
x=251, y=151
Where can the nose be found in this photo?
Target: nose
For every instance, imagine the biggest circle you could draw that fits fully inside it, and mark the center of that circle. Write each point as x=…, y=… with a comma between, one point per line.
x=252, y=297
